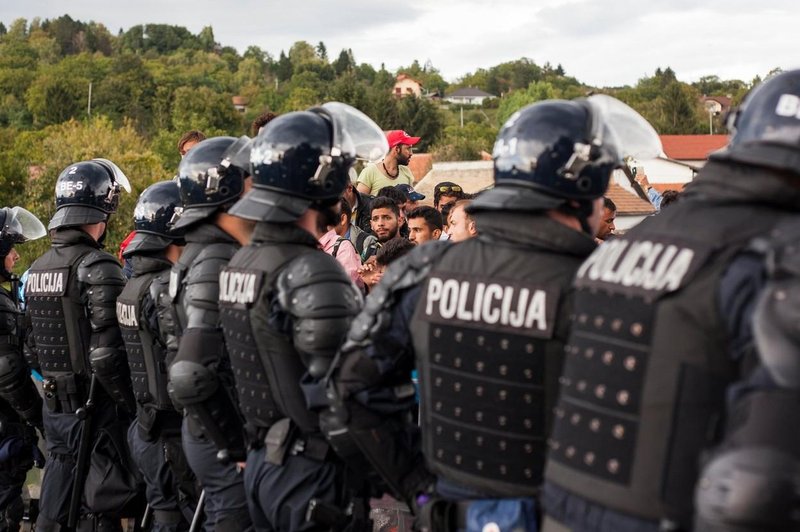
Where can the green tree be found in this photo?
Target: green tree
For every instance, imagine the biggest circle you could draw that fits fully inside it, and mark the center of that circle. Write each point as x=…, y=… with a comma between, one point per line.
x=515, y=101
x=53, y=99
x=54, y=148
x=204, y=109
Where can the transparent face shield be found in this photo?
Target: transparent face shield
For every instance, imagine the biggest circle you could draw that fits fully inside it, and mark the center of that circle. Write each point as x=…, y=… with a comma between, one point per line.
x=119, y=176
x=22, y=225
x=634, y=137
x=355, y=136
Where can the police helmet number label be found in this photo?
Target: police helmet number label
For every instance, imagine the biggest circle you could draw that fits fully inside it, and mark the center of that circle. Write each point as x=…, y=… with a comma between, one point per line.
x=493, y=305
x=70, y=186
x=788, y=105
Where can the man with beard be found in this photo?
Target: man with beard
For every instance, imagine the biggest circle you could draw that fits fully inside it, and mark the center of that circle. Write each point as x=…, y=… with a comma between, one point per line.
x=607, y=227
x=393, y=169
x=385, y=218
x=286, y=306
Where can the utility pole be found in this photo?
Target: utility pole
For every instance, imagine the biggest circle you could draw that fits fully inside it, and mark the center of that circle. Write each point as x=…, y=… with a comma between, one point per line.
x=89, y=106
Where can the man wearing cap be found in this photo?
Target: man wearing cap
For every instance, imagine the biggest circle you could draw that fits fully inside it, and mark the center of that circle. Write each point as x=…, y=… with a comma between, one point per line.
x=393, y=169
x=412, y=198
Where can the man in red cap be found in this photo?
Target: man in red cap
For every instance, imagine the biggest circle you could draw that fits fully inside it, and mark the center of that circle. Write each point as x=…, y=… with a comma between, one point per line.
x=393, y=169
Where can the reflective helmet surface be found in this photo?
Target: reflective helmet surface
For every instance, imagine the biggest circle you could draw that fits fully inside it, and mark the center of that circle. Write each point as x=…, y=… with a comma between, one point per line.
x=209, y=179
x=765, y=129
x=157, y=209
x=304, y=157
x=558, y=147
x=88, y=192
x=556, y=151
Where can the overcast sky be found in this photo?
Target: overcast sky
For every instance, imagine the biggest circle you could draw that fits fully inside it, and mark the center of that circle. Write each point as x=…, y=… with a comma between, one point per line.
x=600, y=42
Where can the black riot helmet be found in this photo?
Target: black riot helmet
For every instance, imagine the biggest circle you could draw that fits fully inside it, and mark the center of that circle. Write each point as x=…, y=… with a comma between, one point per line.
x=17, y=225
x=557, y=153
x=88, y=192
x=301, y=160
x=211, y=177
x=158, y=207
x=765, y=129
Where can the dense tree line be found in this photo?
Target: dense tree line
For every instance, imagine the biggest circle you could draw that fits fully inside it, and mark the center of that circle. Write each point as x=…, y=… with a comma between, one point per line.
x=73, y=90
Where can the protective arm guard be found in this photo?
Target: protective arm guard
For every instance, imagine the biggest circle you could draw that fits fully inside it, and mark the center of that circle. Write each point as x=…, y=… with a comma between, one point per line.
x=103, y=279
x=753, y=482
x=322, y=301
x=17, y=388
x=196, y=387
x=370, y=393
x=110, y=366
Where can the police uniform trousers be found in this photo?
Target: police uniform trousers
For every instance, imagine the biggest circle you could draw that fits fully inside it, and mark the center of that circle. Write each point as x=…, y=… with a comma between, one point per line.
x=106, y=493
x=278, y=495
x=225, y=503
x=16, y=459
x=161, y=487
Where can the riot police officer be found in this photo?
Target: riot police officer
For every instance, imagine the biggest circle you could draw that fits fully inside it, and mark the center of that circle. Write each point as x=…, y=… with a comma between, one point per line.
x=753, y=479
x=286, y=306
x=662, y=328
x=200, y=376
x=76, y=343
x=488, y=319
x=155, y=436
x=21, y=405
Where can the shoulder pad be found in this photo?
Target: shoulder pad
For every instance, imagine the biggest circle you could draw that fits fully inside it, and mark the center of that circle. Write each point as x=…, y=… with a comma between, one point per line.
x=99, y=267
x=160, y=284
x=775, y=330
x=780, y=248
x=209, y=262
x=407, y=271
x=315, y=285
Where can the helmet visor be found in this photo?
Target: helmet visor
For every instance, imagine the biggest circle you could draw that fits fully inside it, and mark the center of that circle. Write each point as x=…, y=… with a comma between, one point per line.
x=633, y=136
x=119, y=176
x=238, y=154
x=354, y=133
x=23, y=225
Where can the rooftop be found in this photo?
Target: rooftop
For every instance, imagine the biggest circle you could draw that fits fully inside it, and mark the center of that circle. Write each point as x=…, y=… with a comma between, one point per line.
x=692, y=147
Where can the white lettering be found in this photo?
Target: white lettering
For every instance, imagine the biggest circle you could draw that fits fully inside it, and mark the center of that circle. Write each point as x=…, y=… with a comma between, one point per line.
x=45, y=282
x=492, y=314
x=494, y=303
x=237, y=287
x=463, y=313
x=434, y=293
x=126, y=315
x=537, y=311
x=639, y=264
x=788, y=105
x=449, y=301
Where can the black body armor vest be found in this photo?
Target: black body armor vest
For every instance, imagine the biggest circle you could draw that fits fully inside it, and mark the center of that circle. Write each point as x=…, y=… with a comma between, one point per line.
x=643, y=384
x=266, y=365
x=60, y=326
x=489, y=332
x=146, y=354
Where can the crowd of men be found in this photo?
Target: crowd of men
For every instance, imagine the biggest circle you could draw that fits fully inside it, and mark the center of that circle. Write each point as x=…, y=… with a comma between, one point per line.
x=517, y=375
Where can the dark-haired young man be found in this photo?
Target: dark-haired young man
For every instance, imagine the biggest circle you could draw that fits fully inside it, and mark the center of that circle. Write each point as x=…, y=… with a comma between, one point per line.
x=424, y=224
